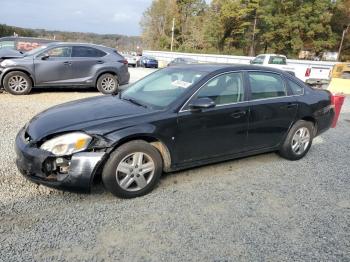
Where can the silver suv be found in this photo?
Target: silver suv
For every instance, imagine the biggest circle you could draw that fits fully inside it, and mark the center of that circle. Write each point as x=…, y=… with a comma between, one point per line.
x=65, y=64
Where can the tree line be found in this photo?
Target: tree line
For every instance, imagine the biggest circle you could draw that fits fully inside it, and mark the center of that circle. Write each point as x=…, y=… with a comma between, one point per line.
x=121, y=42
x=248, y=27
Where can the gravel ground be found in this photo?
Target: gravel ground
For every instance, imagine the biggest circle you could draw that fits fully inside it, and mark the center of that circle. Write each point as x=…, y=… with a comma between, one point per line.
x=260, y=208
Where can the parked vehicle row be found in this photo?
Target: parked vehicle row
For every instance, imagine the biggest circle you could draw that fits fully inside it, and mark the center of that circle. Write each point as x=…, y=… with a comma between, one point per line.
x=176, y=118
x=65, y=64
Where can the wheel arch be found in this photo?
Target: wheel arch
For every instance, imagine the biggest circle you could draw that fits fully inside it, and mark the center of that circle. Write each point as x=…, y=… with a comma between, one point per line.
x=154, y=141
x=99, y=74
x=312, y=120
x=17, y=70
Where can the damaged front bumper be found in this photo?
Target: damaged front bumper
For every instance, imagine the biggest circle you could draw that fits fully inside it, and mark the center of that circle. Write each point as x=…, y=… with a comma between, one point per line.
x=75, y=173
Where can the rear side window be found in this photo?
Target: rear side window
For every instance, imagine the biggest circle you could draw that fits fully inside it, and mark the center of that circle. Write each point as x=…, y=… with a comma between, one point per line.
x=296, y=89
x=84, y=51
x=277, y=60
x=266, y=85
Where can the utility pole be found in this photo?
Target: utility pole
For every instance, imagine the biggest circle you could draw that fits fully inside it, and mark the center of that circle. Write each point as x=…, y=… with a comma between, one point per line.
x=342, y=40
x=172, y=35
x=252, y=47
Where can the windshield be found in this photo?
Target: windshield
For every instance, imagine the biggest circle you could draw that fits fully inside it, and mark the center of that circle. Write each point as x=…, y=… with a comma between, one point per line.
x=35, y=50
x=163, y=87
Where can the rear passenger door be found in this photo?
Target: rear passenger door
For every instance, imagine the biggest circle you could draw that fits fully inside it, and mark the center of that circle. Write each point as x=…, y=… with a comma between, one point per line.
x=85, y=61
x=272, y=109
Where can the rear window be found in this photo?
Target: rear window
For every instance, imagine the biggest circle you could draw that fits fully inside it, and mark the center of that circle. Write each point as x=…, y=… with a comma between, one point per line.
x=84, y=51
x=277, y=60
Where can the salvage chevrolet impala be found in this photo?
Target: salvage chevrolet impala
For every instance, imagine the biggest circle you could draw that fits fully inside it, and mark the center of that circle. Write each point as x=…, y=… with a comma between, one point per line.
x=173, y=119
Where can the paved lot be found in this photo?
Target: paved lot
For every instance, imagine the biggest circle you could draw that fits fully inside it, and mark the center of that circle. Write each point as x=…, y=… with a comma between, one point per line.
x=260, y=208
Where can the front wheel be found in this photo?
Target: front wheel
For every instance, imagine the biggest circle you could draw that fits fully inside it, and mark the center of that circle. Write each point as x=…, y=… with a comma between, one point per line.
x=132, y=170
x=298, y=140
x=17, y=83
x=107, y=84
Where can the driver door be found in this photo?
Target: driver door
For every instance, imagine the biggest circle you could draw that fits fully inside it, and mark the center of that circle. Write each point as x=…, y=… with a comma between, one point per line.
x=54, y=69
x=218, y=131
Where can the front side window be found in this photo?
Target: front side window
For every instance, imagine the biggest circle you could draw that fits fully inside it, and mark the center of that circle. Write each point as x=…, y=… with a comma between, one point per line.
x=83, y=51
x=60, y=52
x=259, y=60
x=160, y=89
x=224, y=89
x=266, y=85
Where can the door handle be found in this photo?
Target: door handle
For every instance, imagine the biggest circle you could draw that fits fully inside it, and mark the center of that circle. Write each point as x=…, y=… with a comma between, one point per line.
x=100, y=62
x=67, y=63
x=238, y=114
x=289, y=106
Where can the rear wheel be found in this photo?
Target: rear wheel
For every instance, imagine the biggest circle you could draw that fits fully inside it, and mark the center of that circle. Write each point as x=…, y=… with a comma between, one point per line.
x=108, y=84
x=132, y=170
x=298, y=141
x=17, y=83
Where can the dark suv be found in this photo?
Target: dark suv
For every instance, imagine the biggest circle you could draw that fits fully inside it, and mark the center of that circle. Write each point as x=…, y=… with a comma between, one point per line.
x=65, y=64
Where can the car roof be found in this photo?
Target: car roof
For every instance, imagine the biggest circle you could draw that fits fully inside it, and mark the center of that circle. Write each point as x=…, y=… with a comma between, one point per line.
x=78, y=44
x=28, y=38
x=228, y=67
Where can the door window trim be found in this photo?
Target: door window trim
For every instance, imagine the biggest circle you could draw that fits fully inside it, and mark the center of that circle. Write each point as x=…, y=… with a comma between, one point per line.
x=269, y=98
x=48, y=49
x=245, y=84
x=286, y=89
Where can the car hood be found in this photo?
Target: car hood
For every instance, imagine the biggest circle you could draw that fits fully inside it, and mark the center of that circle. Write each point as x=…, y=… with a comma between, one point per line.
x=7, y=53
x=97, y=115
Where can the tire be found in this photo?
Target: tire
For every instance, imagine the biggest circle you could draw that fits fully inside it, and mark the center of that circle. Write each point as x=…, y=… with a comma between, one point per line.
x=17, y=83
x=122, y=174
x=107, y=84
x=298, y=140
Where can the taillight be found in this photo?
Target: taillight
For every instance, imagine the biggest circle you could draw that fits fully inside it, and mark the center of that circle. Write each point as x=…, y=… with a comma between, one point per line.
x=125, y=62
x=308, y=72
x=332, y=101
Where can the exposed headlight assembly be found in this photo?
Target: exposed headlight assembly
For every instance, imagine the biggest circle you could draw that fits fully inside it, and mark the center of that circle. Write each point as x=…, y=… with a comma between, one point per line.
x=7, y=63
x=67, y=144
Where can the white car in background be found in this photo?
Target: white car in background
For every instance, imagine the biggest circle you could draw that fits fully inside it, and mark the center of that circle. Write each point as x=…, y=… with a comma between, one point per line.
x=132, y=60
x=314, y=75
x=273, y=60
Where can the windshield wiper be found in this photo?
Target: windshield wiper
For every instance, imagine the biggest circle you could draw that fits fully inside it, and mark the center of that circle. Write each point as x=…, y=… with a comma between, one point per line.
x=135, y=102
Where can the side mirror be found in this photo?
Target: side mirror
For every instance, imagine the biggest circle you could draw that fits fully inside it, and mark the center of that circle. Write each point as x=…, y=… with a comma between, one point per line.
x=251, y=61
x=45, y=57
x=201, y=103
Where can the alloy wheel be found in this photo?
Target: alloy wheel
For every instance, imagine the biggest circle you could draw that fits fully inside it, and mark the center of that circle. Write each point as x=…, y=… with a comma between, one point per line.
x=135, y=171
x=301, y=140
x=108, y=84
x=18, y=83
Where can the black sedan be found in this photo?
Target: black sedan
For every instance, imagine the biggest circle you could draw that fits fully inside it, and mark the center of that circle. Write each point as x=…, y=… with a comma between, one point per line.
x=173, y=119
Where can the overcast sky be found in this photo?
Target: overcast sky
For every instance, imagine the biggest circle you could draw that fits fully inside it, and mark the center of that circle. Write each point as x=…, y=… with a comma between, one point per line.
x=97, y=16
